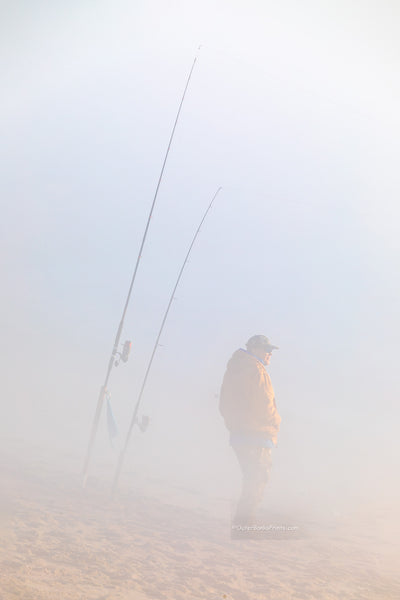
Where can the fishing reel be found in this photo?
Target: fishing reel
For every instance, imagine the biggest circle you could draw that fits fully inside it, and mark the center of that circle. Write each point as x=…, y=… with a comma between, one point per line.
x=124, y=355
x=143, y=424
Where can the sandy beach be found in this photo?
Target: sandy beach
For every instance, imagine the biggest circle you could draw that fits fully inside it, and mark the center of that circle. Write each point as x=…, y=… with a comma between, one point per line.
x=62, y=542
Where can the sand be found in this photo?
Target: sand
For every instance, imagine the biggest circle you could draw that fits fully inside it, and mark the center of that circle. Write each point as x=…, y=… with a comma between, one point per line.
x=62, y=542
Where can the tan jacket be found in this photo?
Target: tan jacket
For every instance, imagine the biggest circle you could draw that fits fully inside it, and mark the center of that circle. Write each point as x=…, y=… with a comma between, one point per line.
x=247, y=399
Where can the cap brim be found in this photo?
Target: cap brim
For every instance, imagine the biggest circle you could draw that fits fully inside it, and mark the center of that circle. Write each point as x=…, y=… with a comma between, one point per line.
x=271, y=347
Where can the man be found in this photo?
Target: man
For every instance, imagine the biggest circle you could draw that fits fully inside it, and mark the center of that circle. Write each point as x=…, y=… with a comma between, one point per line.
x=247, y=404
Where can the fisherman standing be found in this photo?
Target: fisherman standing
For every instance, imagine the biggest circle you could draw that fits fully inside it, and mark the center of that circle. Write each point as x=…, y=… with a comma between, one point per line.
x=247, y=404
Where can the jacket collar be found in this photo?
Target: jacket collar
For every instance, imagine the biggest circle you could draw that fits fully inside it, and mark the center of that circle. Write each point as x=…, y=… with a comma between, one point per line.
x=254, y=356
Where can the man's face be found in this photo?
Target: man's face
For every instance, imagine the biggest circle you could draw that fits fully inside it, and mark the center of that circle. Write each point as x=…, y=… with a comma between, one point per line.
x=267, y=358
x=262, y=354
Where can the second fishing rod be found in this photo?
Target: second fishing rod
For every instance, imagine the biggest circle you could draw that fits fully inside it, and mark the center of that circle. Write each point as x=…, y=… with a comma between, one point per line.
x=134, y=420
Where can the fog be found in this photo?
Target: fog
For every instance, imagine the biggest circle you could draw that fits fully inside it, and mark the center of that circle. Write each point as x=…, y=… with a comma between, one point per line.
x=293, y=110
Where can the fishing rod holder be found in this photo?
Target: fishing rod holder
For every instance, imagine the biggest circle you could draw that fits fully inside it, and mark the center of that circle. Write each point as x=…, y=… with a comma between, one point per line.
x=124, y=355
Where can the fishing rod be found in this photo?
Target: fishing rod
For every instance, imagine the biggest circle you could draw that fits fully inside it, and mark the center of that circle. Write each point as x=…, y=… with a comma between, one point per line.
x=114, y=361
x=134, y=420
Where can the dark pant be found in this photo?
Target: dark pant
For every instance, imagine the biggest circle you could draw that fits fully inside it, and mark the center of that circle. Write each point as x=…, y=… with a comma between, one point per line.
x=255, y=463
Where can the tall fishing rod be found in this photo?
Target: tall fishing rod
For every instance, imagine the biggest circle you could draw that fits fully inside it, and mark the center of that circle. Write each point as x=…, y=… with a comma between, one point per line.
x=125, y=351
x=134, y=420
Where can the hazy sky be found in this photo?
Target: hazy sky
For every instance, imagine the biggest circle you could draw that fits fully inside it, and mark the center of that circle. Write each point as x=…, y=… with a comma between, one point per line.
x=293, y=110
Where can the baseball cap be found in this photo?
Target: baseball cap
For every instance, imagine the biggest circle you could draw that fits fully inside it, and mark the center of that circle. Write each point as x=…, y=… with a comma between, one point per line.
x=261, y=341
